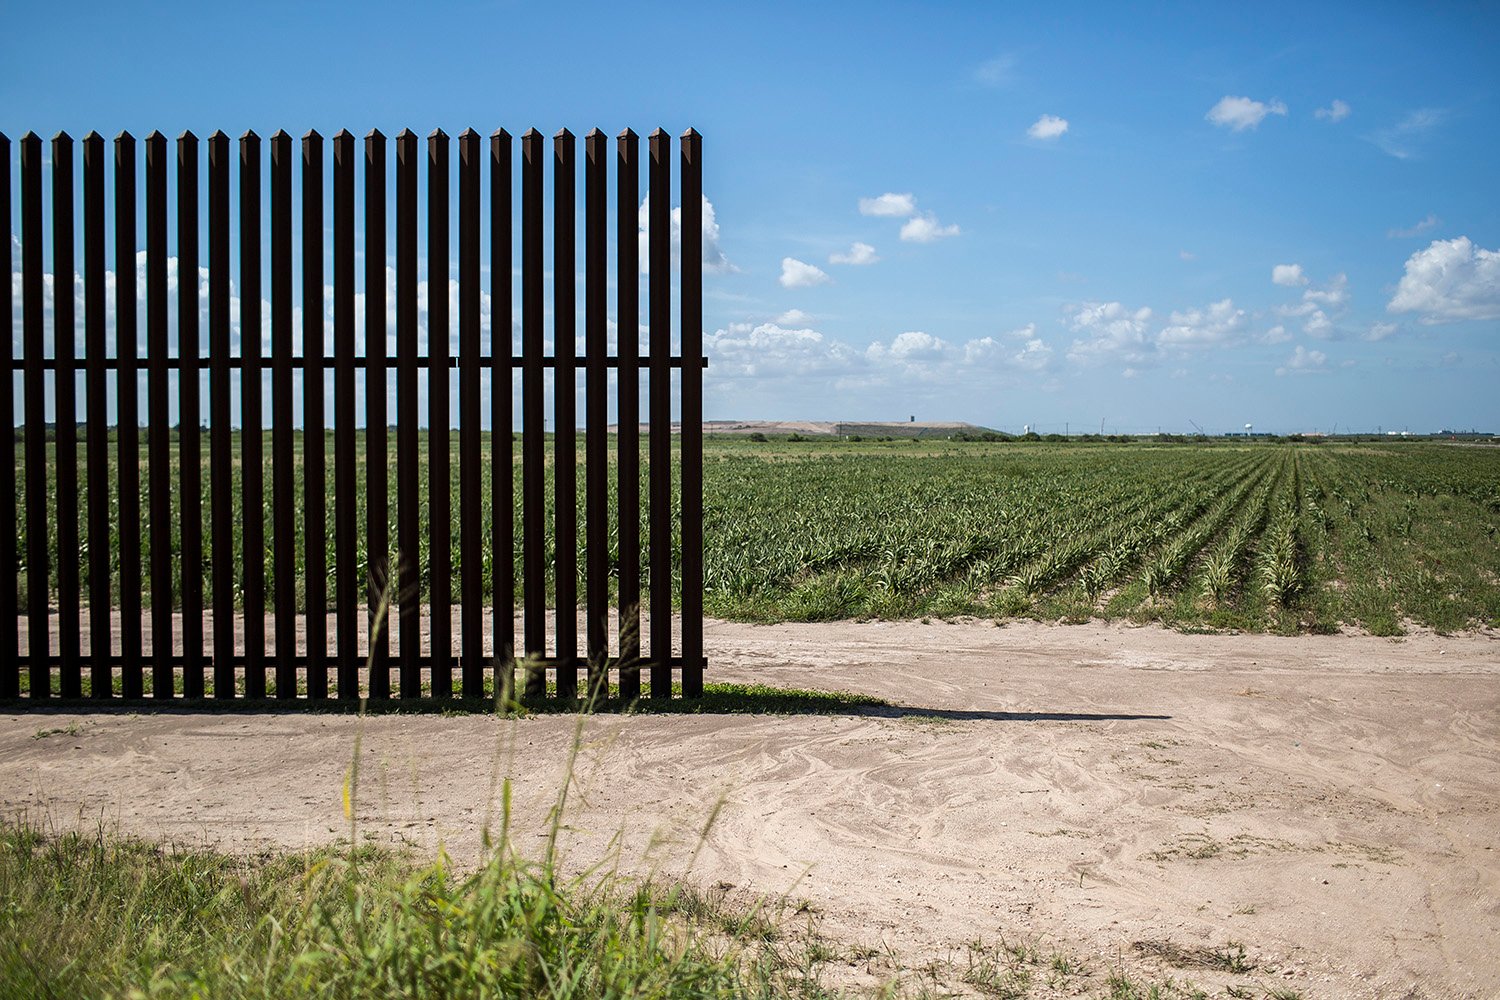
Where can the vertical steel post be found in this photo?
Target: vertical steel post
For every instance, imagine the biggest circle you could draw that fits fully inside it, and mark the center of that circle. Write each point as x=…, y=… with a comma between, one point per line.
x=33, y=350
x=533, y=495
x=691, y=318
x=502, y=462
x=377, y=449
x=220, y=457
x=283, y=501
x=471, y=594
x=95, y=349
x=345, y=542
x=439, y=332
x=628, y=400
x=660, y=219
x=565, y=414
x=314, y=463
x=65, y=435
x=10, y=639
x=128, y=419
x=596, y=407
x=189, y=441
x=252, y=463
x=159, y=433
x=408, y=474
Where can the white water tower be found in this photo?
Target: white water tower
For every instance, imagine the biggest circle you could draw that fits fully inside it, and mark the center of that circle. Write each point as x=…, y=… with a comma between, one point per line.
x=1247, y=429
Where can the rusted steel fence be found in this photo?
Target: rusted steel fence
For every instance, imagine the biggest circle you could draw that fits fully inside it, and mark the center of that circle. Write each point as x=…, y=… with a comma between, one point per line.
x=145, y=626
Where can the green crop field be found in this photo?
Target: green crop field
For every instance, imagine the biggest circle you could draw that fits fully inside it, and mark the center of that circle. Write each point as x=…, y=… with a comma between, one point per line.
x=1276, y=536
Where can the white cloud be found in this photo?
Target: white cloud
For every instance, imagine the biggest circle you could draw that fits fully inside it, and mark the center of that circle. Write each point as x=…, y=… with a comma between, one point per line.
x=1333, y=295
x=799, y=274
x=1220, y=323
x=1304, y=362
x=1276, y=335
x=1289, y=275
x=1380, y=331
x=1416, y=229
x=1335, y=112
x=1318, y=325
x=1113, y=333
x=791, y=318
x=995, y=72
x=1186, y=255
x=744, y=350
x=714, y=260
x=1451, y=280
x=1404, y=139
x=926, y=229
x=1241, y=113
x=859, y=254
x=1048, y=127
x=889, y=204
x=913, y=345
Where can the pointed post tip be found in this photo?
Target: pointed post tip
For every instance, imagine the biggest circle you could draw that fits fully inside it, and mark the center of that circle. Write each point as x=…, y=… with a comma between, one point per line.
x=500, y=134
x=312, y=135
x=437, y=133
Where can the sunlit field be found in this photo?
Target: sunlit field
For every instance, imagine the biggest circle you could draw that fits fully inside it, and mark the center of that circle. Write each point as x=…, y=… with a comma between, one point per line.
x=1257, y=535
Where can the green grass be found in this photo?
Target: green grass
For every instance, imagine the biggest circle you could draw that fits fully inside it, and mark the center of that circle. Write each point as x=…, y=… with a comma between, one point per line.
x=94, y=916
x=1265, y=536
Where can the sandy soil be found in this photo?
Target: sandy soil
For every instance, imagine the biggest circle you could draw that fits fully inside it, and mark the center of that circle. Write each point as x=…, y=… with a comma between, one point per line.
x=1111, y=792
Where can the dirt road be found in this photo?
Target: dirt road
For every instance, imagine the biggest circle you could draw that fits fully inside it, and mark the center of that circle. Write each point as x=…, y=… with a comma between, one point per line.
x=1131, y=796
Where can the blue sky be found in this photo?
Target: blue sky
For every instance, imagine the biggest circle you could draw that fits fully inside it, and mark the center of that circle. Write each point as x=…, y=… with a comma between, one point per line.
x=1279, y=214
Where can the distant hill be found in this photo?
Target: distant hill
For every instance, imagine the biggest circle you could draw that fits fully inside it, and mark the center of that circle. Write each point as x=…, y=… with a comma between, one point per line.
x=843, y=428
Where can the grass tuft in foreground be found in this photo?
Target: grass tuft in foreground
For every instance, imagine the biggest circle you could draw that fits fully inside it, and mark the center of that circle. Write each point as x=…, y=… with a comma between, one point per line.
x=96, y=915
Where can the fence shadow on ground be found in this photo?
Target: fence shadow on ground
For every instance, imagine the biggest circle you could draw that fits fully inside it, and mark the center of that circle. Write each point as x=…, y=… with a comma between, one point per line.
x=717, y=699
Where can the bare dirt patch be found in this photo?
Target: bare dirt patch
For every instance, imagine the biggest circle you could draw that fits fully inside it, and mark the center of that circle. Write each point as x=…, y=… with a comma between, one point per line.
x=1324, y=810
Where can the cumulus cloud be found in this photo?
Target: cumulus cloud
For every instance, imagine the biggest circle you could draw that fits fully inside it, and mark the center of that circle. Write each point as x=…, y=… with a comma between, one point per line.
x=859, y=254
x=1333, y=295
x=1289, y=275
x=913, y=345
x=1380, y=331
x=1449, y=281
x=1335, y=112
x=1034, y=354
x=1416, y=229
x=1241, y=113
x=1110, y=332
x=1304, y=362
x=1220, y=323
x=1276, y=335
x=714, y=260
x=800, y=274
x=889, y=204
x=746, y=350
x=1048, y=127
x=926, y=229
x=792, y=317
